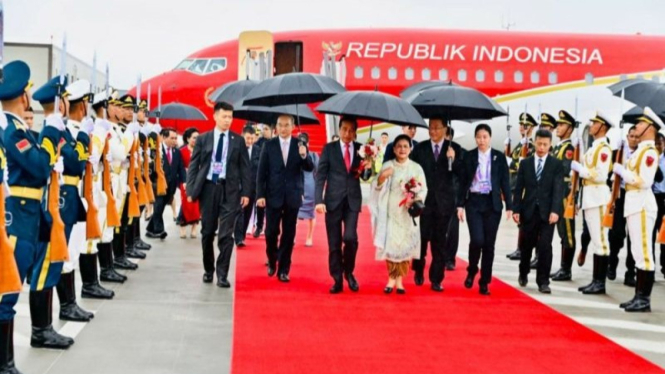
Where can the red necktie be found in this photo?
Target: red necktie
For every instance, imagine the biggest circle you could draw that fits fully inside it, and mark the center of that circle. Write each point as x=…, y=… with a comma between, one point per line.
x=168, y=155
x=347, y=157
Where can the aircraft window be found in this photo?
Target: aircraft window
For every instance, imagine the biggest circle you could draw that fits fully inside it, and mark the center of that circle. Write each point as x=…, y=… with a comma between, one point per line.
x=216, y=64
x=639, y=76
x=623, y=77
x=408, y=74
x=498, y=76
x=358, y=72
x=655, y=78
x=588, y=78
x=518, y=77
x=198, y=66
x=184, y=64
x=392, y=74
x=480, y=75
x=552, y=78
x=376, y=72
x=426, y=74
x=535, y=77
x=461, y=75
x=443, y=75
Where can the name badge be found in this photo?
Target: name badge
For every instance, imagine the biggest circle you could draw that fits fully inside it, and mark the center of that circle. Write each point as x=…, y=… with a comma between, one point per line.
x=217, y=168
x=485, y=187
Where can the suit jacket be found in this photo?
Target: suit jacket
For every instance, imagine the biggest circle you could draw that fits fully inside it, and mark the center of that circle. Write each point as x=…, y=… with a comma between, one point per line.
x=546, y=194
x=238, y=172
x=337, y=182
x=174, y=171
x=500, y=179
x=390, y=154
x=440, y=183
x=254, y=166
x=277, y=183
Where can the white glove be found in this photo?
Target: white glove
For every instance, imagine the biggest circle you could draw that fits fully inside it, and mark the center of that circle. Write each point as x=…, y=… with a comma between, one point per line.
x=149, y=152
x=94, y=159
x=134, y=128
x=576, y=166
x=507, y=141
x=87, y=126
x=618, y=169
x=524, y=140
x=103, y=124
x=156, y=129
x=109, y=157
x=145, y=130
x=509, y=160
x=55, y=120
x=521, y=159
x=7, y=190
x=125, y=164
x=59, y=165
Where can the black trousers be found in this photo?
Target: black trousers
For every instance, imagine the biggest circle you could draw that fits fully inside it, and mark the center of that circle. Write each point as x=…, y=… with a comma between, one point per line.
x=617, y=236
x=566, y=229
x=660, y=200
x=342, y=228
x=537, y=234
x=242, y=222
x=217, y=216
x=260, y=217
x=280, y=248
x=120, y=232
x=433, y=230
x=452, y=240
x=156, y=224
x=483, y=222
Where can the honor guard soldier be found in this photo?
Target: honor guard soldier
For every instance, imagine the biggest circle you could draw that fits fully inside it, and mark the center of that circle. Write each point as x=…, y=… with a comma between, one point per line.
x=30, y=162
x=547, y=123
x=76, y=154
x=593, y=171
x=142, y=118
x=527, y=124
x=641, y=208
x=564, y=151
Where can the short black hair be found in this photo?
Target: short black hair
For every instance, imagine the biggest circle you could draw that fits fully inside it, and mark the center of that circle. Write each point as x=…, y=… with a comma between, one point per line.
x=543, y=134
x=30, y=109
x=351, y=120
x=248, y=129
x=483, y=126
x=384, y=133
x=445, y=123
x=188, y=134
x=401, y=137
x=223, y=106
x=661, y=135
x=167, y=132
x=632, y=128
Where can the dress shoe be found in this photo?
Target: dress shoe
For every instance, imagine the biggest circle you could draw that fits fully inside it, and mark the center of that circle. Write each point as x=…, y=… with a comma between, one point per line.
x=639, y=304
x=626, y=303
x=257, y=233
x=595, y=288
x=73, y=312
x=47, y=337
x=96, y=291
x=450, y=266
x=353, y=283
x=271, y=270
x=133, y=253
x=141, y=245
x=124, y=264
x=338, y=287
x=388, y=290
x=437, y=287
x=223, y=283
x=241, y=244
x=484, y=290
x=515, y=256
x=110, y=275
x=468, y=282
x=544, y=289
x=163, y=235
x=419, y=279
x=207, y=277
x=283, y=278
x=562, y=275
x=522, y=280
x=400, y=291
x=151, y=235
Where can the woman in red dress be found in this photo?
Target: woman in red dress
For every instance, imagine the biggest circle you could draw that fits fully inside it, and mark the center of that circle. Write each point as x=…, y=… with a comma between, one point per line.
x=189, y=212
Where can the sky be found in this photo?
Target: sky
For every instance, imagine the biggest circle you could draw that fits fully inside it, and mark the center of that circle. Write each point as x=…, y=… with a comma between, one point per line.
x=149, y=37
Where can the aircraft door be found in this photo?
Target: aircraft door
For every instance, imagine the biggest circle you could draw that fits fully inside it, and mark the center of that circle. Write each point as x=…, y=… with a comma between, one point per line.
x=255, y=52
x=288, y=57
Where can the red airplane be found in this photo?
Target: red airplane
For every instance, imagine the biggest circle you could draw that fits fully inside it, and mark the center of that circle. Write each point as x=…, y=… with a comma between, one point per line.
x=524, y=71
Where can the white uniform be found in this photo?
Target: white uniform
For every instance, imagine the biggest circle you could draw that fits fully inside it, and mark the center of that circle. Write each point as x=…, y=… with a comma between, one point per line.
x=77, y=239
x=640, y=207
x=97, y=142
x=597, y=164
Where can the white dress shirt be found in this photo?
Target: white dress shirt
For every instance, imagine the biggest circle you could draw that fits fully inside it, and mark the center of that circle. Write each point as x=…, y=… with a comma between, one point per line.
x=216, y=133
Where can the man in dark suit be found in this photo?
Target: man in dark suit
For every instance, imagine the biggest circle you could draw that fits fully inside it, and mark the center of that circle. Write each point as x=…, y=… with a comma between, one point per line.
x=254, y=153
x=279, y=188
x=217, y=170
x=266, y=134
x=537, y=207
x=437, y=158
x=174, y=171
x=338, y=174
x=410, y=131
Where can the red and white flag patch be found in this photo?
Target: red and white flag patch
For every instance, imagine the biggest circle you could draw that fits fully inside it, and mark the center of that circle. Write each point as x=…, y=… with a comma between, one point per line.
x=650, y=160
x=23, y=145
x=603, y=157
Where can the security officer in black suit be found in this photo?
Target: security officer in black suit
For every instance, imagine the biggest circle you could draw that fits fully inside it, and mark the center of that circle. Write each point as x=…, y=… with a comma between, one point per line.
x=254, y=152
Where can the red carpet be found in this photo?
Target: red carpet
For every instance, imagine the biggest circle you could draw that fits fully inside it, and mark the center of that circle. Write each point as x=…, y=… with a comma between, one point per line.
x=299, y=328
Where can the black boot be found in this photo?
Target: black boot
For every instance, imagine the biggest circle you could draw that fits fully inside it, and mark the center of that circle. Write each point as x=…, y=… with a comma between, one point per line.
x=597, y=286
x=515, y=256
x=612, y=267
x=642, y=300
x=629, y=278
x=565, y=273
x=69, y=310
x=130, y=251
x=120, y=260
x=138, y=243
x=7, y=365
x=108, y=273
x=91, y=287
x=41, y=313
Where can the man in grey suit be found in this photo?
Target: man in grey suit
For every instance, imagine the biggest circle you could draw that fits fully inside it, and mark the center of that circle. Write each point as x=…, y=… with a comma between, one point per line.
x=218, y=168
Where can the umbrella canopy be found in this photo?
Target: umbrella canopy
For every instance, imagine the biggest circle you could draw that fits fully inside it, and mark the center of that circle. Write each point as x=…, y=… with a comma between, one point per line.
x=420, y=86
x=642, y=93
x=373, y=105
x=232, y=92
x=269, y=115
x=636, y=112
x=293, y=88
x=452, y=102
x=178, y=111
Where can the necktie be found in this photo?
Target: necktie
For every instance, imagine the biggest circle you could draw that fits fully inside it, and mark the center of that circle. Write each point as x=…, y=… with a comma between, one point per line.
x=285, y=151
x=347, y=157
x=218, y=155
x=539, y=169
x=168, y=155
x=436, y=152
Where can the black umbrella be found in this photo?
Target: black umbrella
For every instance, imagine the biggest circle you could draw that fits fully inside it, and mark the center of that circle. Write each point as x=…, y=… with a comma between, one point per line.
x=420, y=86
x=232, y=92
x=641, y=92
x=453, y=102
x=293, y=88
x=373, y=105
x=269, y=115
x=178, y=111
x=636, y=112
